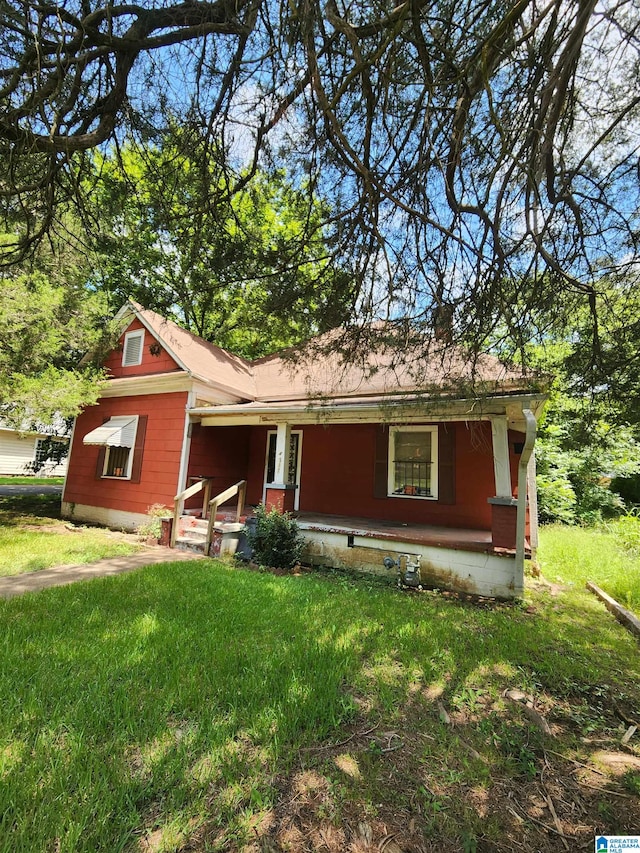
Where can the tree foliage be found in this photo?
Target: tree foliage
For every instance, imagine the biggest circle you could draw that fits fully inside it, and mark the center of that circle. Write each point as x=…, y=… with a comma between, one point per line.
x=48, y=321
x=249, y=272
x=463, y=145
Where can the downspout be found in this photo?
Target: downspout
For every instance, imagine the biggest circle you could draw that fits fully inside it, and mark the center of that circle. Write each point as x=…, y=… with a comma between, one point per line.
x=523, y=465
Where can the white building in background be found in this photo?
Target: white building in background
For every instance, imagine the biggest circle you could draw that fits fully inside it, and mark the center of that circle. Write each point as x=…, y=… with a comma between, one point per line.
x=23, y=452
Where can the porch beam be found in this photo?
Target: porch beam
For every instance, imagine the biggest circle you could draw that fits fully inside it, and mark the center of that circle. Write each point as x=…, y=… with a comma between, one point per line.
x=501, y=467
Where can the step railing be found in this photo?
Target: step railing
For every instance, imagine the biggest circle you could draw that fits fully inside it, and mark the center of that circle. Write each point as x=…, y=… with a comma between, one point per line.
x=209, y=505
x=239, y=489
x=178, y=503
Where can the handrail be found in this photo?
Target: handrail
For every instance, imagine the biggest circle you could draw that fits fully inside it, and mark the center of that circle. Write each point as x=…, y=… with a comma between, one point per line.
x=179, y=500
x=240, y=489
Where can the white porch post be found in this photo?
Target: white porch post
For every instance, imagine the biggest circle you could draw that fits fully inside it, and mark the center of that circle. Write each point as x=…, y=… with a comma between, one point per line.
x=532, y=493
x=283, y=441
x=501, y=468
x=523, y=468
x=279, y=494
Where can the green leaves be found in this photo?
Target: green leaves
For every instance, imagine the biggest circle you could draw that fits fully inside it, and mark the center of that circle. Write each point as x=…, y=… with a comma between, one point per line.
x=48, y=321
x=248, y=271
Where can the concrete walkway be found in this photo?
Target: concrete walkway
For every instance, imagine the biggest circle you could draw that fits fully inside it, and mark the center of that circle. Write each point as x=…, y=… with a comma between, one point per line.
x=61, y=575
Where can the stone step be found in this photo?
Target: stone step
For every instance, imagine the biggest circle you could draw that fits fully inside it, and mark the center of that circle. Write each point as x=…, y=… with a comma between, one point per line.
x=192, y=535
x=187, y=544
x=187, y=523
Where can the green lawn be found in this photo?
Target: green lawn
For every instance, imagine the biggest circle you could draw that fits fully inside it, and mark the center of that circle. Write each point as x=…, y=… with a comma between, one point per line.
x=575, y=555
x=31, y=481
x=32, y=537
x=196, y=707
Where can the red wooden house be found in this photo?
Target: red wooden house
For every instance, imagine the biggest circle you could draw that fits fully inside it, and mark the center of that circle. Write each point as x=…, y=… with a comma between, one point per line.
x=374, y=464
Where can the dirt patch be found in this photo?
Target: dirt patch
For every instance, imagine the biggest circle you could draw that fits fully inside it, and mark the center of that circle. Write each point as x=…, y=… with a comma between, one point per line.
x=616, y=763
x=421, y=787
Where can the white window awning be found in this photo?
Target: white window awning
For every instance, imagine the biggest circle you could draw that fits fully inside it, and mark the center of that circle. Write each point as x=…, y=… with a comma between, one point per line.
x=117, y=432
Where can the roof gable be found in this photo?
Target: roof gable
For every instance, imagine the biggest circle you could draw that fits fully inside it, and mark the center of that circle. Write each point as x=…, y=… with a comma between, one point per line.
x=200, y=359
x=155, y=357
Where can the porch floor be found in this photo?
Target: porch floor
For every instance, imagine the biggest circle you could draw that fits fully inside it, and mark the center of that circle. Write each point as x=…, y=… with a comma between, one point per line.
x=459, y=539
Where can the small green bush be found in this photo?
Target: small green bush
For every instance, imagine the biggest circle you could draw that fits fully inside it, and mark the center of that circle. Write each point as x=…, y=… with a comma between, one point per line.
x=626, y=529
x=276, y=539
x=152, y=528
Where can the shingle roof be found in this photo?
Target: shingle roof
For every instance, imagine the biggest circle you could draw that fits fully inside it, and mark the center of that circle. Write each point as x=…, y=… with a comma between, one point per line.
x=202, y=359
x=320, y=371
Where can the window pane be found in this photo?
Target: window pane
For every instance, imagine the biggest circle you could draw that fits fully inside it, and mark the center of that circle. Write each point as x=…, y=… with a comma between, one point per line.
x=411, y=446
x=117, y=460
x=412, y=463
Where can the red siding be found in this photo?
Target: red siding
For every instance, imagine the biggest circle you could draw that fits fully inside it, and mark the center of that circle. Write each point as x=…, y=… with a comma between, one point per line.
x=221, y=453
x=160, y=461
x=338, y=471
x=160, y=363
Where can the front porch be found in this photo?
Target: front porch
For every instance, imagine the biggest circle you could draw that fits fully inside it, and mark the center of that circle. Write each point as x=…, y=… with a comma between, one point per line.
x=357, y=504
x=459, y=559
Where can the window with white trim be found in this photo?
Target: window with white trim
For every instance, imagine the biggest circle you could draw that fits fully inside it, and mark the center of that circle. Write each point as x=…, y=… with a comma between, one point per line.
x=118, y=437
x=413, y=462
x=133, y=346
x=48, y=454
x=117, y=462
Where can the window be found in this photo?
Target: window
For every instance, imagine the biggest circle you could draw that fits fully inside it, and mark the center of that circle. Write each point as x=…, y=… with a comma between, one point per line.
x=117, y=462
x=293, y=464
x=42, y=453
x=118, y=438
x=132, y=352
x=413, y=462
x=49, y=453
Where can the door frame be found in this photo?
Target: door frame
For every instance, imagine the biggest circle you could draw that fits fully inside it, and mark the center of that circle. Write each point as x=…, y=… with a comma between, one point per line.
x=296, y=496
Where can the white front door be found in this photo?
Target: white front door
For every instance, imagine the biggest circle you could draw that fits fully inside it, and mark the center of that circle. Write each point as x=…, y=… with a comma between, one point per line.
x=293, y=468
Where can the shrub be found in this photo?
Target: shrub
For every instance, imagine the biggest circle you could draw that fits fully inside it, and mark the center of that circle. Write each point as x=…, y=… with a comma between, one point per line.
x=276, y=539
x=626, y=529
x=152, y=527
x=556, y=498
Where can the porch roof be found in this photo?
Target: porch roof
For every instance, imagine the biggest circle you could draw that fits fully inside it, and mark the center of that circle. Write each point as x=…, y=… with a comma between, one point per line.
x=375, y=407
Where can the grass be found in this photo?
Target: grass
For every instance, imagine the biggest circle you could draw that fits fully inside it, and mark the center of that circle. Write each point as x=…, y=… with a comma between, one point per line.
x=194, y=707
x=575, y=555
x=32, y=537
x=31, y=481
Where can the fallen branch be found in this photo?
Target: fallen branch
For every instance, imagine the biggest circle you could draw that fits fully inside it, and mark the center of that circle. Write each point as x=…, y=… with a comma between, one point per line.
x=340, y=743
x=555, y=817
x=629, y=734
x=606, y=791
x=546, y=826
x=526, y=703
x=577, y=763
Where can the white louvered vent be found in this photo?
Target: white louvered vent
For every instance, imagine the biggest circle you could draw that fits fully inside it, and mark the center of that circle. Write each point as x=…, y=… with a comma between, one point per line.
x=132, y=354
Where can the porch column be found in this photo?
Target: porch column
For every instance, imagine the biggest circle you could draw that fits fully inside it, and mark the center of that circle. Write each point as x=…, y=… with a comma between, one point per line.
x=504, y=507
x=280, y=494
x=532, y=495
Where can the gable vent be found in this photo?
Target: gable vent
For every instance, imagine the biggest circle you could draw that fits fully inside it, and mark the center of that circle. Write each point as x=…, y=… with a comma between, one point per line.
x=133, y=342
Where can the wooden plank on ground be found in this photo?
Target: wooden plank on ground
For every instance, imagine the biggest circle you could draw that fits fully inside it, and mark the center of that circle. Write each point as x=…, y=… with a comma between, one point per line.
x=624, y=616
